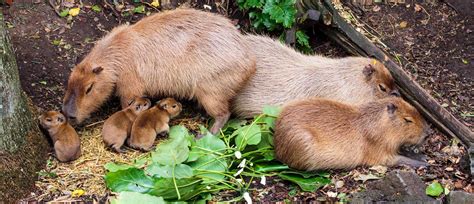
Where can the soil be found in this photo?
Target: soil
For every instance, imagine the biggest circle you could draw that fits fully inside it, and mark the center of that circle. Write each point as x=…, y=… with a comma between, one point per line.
x=436, y=46
x=48, y=46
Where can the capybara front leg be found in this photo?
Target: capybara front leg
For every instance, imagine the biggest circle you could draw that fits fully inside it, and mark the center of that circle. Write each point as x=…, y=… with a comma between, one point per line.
x=216, y=107
x=129, y=88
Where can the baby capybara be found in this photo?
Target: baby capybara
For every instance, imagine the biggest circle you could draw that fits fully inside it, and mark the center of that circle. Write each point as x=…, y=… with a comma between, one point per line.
x=185, y=53
x=117, y=127
x=284, y=74
x=152, y=122
x=67, y=145
x=316, y=133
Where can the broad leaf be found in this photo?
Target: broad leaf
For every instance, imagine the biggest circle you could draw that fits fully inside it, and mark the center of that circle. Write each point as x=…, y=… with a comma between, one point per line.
x=210, y=168
x=131, y=179
x=271, y=110
x=207, y=145
x=434, y=189
x=166, y=171
x=113, y=167
x=306, y=184
x=126, y=197
x=248, y=135
x=175, y=150
x=188, y=188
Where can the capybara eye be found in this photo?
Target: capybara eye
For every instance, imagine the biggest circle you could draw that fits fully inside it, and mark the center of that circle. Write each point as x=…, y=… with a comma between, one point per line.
x=382, y=88
x=408, y=119
x=174, y=106
x=89, y=89
x=48, y=119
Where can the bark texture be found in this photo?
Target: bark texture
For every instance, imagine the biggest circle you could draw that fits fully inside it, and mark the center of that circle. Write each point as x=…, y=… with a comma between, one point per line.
x=22, y=147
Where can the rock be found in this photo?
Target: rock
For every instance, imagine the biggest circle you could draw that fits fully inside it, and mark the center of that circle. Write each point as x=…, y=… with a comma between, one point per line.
x=460, y=197
x=400, y=186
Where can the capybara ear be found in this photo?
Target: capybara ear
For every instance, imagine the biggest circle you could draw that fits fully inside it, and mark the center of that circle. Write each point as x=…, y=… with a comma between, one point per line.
x=391, y=108
x=61, y=119
x=368, y=70
x=97, y=70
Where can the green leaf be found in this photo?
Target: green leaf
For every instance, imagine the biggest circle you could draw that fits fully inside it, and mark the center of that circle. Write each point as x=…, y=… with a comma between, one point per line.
x=204, y=158
x=302, y=39
x=207, y=145
x=64, y=12
x=272, y=166
x=126, y=197
x=174, y=150
x=188, y=188
x=271, y=110
x=113, y=167
x=139, y=9
x=234, y=124
x=434, y=189
x=248, y=135
x=307, y=174
x=306, y=184
x=96, y=8
x=166, y=171
x=131, y=179
x=282, y=11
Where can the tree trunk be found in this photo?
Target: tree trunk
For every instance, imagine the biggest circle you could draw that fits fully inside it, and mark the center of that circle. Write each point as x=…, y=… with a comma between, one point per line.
x=22, y=147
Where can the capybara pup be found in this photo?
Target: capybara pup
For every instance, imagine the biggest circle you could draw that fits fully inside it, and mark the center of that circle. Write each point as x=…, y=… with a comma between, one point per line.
x=284, y=74
x=67, y=145
x=152, y=122
x=185, y=53
x=316, y=133
x=117, y=127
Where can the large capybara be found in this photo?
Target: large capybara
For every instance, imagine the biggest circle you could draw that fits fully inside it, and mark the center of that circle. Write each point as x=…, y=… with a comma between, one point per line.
x=312, y=134
x=152, y=122
x=284, y=74
x=117, y=127
x=185, y=53
x=67, y=145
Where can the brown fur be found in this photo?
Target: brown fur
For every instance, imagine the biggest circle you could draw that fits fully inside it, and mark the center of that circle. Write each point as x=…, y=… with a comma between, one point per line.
x=152, y=122
x=67, y=145
x=284, y=74
x=184, y=53
x=317, y=133
x=117, y=127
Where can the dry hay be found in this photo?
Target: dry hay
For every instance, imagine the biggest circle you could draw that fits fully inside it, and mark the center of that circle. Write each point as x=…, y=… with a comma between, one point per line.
x=59, y=180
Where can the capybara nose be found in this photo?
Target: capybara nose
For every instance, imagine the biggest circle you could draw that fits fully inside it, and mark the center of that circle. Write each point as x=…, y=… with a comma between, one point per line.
x=395, y=93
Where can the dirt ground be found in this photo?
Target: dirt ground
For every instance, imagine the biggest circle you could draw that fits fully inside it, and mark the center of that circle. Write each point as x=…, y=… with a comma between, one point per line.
x=438, y=54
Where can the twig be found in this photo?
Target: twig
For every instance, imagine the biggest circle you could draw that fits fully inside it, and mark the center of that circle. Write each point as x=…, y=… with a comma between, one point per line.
x=54, y=7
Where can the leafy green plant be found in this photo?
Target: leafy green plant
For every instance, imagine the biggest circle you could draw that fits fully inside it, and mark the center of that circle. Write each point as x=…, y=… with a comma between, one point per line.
x=185, y=169
x=275, y=16
x=434, y=189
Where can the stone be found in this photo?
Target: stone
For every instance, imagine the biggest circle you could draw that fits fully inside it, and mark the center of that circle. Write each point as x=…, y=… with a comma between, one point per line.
x=398, y=186
x=460, y=197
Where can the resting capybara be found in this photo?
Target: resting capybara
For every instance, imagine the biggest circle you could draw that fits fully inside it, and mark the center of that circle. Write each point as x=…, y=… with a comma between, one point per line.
x=185, y=53
x=117, y=127
x=67, y=145
x=284, y=74
x=152, y=122
x=317, y=133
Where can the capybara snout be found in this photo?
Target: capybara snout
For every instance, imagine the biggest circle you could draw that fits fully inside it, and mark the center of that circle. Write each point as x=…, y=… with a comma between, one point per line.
x=87, y=87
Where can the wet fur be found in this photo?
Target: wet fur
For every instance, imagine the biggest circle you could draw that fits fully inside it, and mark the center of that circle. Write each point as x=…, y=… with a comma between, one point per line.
x=184, y=53
x=284, y=74
x=118, y=126
x=314, y=134
x=152, y=122
x=67, y=145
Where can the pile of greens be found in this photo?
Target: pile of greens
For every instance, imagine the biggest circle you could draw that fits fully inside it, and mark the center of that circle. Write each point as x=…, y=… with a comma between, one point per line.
x=184, y=169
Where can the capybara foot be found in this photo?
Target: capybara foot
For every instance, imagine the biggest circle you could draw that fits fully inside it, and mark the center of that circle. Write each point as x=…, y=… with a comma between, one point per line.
x=220, y=122
x=402, y=160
